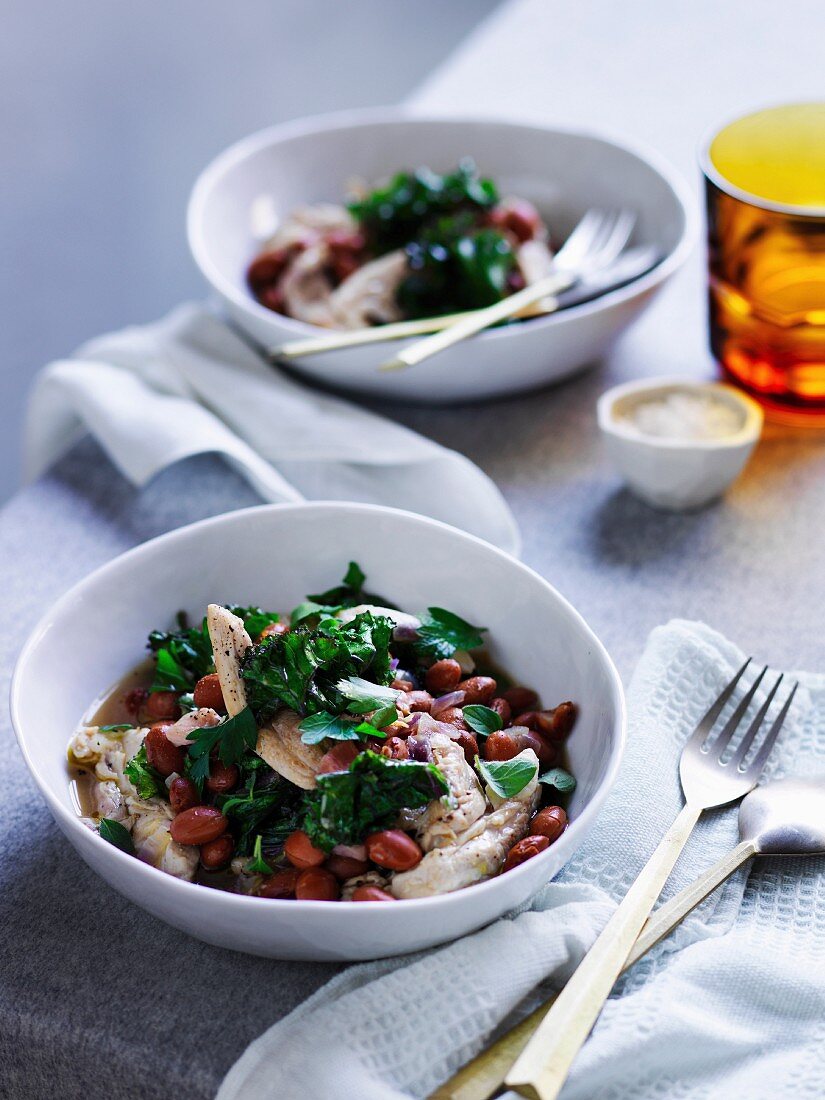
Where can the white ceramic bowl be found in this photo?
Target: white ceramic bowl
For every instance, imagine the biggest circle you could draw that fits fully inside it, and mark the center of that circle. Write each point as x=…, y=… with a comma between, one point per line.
x=677, y=474
x=273, y=556
x=265, y=176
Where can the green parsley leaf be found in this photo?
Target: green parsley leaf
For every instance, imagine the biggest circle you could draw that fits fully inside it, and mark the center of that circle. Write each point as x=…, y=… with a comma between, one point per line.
x=506, y=778
x=441, y=633
x=481, y=719
x=365, y=696
x=346, y=806
x=560, y=779
x=259, y=866
x=147, y=782
x=120, y=727
x=231, y=737
x=117, y=834
x=316, y=727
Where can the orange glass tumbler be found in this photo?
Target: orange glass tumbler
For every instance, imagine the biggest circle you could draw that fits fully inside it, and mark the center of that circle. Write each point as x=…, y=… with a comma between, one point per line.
x=765, y=192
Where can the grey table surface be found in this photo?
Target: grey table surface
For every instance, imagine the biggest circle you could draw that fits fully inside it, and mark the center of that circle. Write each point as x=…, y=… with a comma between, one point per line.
x=96, y=997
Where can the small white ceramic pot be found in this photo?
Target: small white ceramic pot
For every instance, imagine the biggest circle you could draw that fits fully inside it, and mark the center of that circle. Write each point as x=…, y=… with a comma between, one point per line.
x=676, y=474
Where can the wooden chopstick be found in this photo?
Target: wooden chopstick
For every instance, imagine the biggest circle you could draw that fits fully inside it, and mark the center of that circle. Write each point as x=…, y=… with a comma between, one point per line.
x=397, y=330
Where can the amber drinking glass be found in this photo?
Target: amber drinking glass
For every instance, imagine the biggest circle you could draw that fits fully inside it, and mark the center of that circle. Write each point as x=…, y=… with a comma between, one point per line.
x=765, y=190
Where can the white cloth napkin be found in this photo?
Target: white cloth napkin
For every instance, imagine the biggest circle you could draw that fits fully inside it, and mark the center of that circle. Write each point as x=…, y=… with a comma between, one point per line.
x=155, y=394
x=731, y=1005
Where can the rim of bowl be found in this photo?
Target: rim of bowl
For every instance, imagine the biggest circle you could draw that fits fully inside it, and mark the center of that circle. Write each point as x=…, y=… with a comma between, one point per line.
x=221, y=898
x=714, y=176
x=611, y=424
x=350, y=119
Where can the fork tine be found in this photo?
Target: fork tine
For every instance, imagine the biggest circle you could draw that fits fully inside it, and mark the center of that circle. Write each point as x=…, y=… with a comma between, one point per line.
x=706, y=723
x=582, y=236
x=723, y=738
x=758, y=763
x=614, y=241
x=748, y=739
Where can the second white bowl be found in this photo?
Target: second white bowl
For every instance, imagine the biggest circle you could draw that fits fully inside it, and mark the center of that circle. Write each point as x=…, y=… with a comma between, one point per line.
x=563, y=173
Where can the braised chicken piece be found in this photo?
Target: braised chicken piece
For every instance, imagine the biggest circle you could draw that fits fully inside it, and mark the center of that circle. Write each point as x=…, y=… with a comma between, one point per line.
x=478, y=852
x=115, y=799
x=445, y=818
x=280, y=745
x=279, y=742
x=368, y=296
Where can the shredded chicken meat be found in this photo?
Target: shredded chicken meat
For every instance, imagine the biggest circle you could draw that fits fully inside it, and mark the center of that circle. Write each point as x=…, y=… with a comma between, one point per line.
x=478, y=852
x=279, y=742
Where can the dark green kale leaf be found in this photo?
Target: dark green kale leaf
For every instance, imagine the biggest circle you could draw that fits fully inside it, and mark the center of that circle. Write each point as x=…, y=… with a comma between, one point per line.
x=302, y=669
x=346, y=806
x=147, y=782
x=259, y=804
x=285, y=819
x=456, y=265
x=442, y=632
x=183, y=656
x=349, y=593
x=231, y=738
x=395, y=213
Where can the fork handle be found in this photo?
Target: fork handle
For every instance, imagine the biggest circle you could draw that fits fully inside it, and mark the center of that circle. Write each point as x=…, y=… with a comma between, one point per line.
x=542, y=1068
x=479, y=319
x=666, y=918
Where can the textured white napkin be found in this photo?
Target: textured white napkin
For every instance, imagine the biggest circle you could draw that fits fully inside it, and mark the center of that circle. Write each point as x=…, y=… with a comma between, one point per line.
x=155, y=394
x=731, y=1005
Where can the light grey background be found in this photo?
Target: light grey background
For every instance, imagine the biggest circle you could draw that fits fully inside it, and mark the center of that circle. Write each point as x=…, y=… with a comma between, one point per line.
x=110, y=110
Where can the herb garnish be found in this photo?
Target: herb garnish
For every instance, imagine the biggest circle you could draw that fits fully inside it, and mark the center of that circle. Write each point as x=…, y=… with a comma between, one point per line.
x=264, y=803
x=349, y=593
x=119, y=727
x=397, y=212
x=482, y=719
x=147, y=782
x=182, y=656
x=316, y=727
x=559, y=779
x=117, y=834
x=506, y=778
x=304, y=668
x=259, y=866
x=255, y=619
x=442, y=632
x=346, y=806
x=231, y=738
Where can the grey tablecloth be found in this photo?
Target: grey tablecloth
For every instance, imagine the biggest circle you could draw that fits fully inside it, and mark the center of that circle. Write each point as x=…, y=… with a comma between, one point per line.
x=98, y=999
